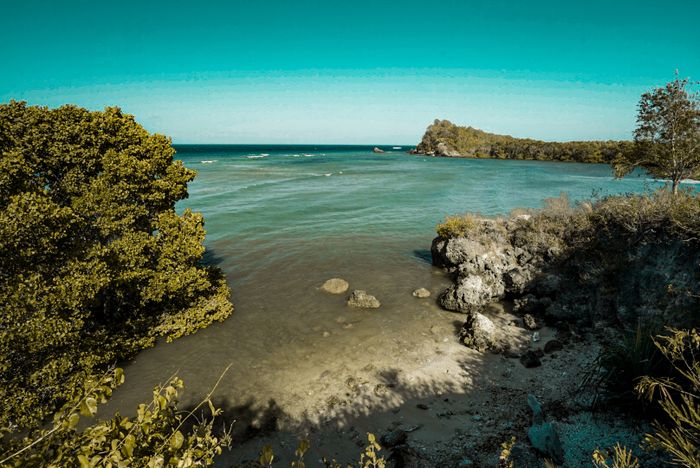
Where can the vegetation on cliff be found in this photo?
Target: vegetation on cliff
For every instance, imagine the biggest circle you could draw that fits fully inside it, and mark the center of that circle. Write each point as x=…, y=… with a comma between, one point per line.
x=443, y=138
x=95, y=264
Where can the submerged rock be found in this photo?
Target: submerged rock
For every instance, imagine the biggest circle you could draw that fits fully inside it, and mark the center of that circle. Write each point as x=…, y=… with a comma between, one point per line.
x=478, y=332
x=421, y=293
x=335, y=286
x=360, y=298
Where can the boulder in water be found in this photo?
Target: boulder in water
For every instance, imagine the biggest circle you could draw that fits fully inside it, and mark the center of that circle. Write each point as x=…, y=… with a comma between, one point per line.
x=360, y=298
x=421, y=292
x=335, y=286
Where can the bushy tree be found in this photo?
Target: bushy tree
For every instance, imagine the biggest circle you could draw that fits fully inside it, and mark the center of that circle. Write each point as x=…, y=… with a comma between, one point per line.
x=95, y=263
x=667, y=138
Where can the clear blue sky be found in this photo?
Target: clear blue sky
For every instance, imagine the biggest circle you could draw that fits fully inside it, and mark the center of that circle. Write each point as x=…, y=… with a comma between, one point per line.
x=350, y=71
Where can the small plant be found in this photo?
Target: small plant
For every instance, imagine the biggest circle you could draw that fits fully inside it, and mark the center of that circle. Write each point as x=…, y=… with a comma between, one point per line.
x=621, y=458
x=504, y=460
x=456, y=226
x=679, y=398
x=369, y=458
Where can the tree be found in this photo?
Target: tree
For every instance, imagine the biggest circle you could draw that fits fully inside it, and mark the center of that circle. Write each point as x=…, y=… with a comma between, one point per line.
x=95, y=263
x=667, y=138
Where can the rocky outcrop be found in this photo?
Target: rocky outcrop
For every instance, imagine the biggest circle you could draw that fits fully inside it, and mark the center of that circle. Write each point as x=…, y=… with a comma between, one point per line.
x=443, y=138
x=557, y=272
x=487, y=268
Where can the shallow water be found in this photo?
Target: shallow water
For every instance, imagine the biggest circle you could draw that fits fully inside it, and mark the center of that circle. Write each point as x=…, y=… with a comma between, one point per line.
x=281, y=220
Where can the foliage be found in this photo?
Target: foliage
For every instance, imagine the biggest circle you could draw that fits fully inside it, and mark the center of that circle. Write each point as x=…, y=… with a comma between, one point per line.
x=442, y=136
x=667, y=138
x=621, y=458
x=369, y=458
x=679, y=398
x=95, y=264
x=159, y=435
x=456, y=226
x=620, y=366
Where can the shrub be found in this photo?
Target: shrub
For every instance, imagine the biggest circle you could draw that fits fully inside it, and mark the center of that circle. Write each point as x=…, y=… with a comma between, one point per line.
x=95, y=264
x=159, y=435
x=457, y=226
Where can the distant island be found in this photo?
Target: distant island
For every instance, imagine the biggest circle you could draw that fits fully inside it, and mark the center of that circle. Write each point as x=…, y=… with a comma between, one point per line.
x=443, y=138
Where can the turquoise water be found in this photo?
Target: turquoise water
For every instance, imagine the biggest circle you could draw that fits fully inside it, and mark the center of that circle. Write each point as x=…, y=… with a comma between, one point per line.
x=287, y=205
x=282, y=220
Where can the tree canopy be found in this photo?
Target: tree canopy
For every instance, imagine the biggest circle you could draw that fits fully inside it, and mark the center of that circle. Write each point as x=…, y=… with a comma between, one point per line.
x=667, y=137
x=95, y=263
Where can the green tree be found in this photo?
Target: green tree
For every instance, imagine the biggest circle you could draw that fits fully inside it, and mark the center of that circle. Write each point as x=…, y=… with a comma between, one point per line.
x=95, y=264
x=667, y=138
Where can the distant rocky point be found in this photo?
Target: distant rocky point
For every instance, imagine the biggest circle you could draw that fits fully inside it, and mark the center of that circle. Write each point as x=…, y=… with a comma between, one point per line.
x=443, y=138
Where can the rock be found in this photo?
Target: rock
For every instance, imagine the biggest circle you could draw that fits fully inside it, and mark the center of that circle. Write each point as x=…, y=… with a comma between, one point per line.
x=552, y=346
x=478, y=332
x=547, y=285
x=421, y=293
x=422, y=406
x=516, y=280
x=444, y=150
x=530, y=359
x=360, y=298
x=393, y=438
x=530, y=304
x=378, y=150
x=470, y=294
x=530, y=322
x=544, y=436
x=335, y=286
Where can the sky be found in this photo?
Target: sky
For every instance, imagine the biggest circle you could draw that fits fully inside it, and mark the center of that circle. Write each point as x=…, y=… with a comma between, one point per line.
x=350, y=72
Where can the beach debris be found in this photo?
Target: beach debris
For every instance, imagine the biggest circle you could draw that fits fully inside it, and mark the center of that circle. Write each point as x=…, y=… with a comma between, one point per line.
x=335, y=286
x=360, y=298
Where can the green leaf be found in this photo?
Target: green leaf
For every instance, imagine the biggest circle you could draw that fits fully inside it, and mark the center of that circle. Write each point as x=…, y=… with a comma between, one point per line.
x=177, y=440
